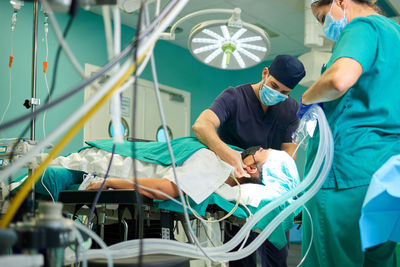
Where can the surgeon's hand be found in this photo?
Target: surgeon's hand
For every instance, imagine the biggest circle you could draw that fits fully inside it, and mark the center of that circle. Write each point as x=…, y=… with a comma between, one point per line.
x=304, y=108
x=239, y=166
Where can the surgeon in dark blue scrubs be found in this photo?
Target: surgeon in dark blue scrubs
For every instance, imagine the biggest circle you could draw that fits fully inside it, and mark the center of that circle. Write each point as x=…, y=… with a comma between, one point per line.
x=260, y=114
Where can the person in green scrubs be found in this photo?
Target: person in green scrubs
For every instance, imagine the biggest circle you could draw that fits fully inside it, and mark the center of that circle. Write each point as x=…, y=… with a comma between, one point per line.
x=360, y=95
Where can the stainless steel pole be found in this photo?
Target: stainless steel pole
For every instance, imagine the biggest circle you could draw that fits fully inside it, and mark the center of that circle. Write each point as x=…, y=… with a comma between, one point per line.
x=31, y=200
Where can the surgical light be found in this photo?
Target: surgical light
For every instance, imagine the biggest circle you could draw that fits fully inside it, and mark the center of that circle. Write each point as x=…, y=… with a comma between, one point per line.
x=226, y=44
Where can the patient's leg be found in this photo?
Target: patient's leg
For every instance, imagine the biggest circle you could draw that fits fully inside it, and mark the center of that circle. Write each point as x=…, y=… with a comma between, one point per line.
x=162, y=184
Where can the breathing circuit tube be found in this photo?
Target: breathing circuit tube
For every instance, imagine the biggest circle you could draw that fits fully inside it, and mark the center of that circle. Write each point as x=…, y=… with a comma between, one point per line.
x=221, y=253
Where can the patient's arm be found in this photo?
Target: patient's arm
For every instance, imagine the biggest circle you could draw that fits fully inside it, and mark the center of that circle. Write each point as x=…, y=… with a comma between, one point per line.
x=162, y=184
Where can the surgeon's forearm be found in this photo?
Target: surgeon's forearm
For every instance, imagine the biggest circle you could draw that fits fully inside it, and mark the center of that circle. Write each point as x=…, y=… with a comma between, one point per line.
x=205, y=128
x=334, y=82
x=323, y=90
x=209, y=137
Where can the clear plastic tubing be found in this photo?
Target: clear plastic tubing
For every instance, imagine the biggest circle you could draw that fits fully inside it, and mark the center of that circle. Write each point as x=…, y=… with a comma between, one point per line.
x=100, y=242
x=220, y=253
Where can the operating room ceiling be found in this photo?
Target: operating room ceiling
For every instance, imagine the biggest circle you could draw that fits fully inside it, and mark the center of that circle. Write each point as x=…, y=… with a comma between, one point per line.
x=282, y=19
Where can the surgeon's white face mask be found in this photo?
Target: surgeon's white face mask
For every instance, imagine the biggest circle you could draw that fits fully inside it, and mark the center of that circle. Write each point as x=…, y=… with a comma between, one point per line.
x=270, y=97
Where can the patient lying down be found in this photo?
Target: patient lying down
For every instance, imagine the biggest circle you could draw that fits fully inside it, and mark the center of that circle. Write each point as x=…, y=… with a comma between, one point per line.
x=203, y=173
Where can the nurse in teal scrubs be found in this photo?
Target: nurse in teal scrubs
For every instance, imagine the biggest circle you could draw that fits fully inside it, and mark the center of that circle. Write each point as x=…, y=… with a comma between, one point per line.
x=360, y=95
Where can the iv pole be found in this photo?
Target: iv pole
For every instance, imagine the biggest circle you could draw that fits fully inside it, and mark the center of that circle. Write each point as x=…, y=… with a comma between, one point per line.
x=34, y=101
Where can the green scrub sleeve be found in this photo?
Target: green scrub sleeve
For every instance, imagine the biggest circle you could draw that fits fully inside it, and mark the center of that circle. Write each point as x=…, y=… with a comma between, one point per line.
x=358, y=41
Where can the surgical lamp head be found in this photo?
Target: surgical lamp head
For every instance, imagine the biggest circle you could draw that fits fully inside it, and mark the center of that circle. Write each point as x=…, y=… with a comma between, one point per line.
x=229, y=44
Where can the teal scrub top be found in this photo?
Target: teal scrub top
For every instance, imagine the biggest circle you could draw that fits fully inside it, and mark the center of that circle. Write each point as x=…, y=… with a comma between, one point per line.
x=365, y=121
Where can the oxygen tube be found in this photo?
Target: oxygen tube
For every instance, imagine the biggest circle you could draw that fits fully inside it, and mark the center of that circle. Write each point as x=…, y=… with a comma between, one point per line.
x=307, y=188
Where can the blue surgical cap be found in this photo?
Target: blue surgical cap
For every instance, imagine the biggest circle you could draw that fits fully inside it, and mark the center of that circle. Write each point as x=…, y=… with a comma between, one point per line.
x=279, y=172
x=287, y=69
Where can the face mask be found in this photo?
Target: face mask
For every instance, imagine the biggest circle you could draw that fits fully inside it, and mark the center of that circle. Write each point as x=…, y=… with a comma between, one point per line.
x=333, y=28
x=270, y=97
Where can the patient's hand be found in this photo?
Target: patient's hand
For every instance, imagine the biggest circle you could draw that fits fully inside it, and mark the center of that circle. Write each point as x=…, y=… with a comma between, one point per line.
x=96, y=185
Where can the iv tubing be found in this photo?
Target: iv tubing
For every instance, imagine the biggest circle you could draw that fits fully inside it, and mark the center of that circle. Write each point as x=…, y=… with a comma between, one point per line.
x=10, y=72
x=60, y=38
x=46, y=30
x=9, y=100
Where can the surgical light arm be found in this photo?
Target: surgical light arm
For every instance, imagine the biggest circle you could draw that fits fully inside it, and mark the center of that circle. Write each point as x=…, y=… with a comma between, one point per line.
x=234, y=20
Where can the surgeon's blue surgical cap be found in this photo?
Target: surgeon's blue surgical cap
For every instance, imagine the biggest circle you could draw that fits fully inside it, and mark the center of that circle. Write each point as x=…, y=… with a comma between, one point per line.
x=287, y=69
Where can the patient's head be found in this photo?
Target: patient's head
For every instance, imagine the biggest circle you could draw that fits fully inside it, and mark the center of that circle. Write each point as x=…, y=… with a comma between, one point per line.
x=270, y=165
x=254, y=157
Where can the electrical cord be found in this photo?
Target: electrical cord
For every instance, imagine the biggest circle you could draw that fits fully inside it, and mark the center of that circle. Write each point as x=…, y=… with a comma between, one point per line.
x=55, y=68
x=127, y=51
